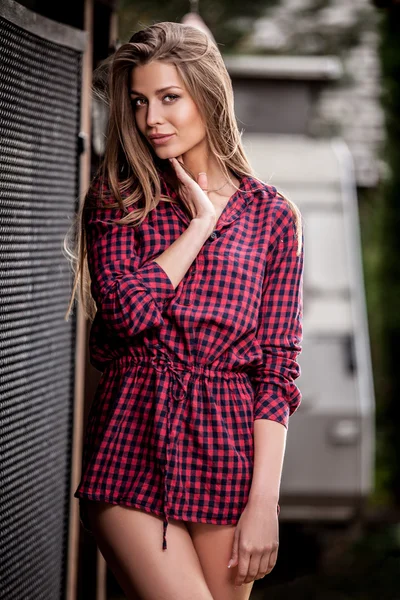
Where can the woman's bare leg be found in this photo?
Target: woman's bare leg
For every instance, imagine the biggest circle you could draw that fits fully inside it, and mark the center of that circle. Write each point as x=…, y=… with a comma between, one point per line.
x=213, y=544
x=131, y=542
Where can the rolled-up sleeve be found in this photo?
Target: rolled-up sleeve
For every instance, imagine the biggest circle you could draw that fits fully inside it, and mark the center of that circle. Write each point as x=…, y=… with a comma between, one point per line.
x=279, y=329
x=129, y=296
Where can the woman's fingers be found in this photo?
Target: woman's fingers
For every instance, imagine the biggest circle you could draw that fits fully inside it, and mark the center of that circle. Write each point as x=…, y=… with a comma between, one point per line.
x=181, y=173
x=272, y=560
x=194, y=193
x=203, y=181
x=264, y=567
x=184, y=177
x=244, y=557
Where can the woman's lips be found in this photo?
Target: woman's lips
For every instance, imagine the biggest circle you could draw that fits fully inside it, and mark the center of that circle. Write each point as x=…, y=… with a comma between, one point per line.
x=162, y=140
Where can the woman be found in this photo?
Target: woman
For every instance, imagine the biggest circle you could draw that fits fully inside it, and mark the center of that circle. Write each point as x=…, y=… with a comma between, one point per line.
x=196, y=273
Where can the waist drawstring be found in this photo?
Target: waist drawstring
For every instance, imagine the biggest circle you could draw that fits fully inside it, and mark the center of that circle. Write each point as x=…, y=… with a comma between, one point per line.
x=182, y=377
x=182, y=374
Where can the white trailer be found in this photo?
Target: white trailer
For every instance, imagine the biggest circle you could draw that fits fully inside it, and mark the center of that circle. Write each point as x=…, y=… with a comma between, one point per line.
x=329, y=461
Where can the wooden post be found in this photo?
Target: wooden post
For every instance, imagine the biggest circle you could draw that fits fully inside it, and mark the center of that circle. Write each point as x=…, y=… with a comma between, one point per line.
x=81, y=325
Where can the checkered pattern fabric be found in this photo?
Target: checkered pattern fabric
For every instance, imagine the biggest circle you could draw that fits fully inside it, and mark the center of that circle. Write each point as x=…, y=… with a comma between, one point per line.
x=187, y=370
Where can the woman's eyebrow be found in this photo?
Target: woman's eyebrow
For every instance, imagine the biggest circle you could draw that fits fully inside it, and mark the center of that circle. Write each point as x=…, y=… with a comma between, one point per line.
x=158, y=91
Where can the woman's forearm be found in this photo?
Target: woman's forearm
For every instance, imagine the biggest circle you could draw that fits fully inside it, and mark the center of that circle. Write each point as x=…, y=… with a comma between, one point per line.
x=179, y=256
x=269, y=450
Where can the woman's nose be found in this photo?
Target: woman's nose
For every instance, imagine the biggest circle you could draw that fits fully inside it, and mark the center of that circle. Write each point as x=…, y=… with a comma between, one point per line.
x=154, y=115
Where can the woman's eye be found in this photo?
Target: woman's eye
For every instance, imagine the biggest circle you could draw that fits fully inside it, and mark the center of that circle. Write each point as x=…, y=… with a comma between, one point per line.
x=135, y=101
x=173, y=96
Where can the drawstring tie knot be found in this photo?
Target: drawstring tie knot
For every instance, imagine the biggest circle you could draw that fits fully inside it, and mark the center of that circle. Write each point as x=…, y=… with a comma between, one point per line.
x=182, y=376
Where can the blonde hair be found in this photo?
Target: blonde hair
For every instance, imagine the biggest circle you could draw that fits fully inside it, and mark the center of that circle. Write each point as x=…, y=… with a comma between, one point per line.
x=130, y=165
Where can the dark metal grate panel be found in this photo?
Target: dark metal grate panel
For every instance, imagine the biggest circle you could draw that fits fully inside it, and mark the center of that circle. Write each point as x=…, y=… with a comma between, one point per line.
x=39, y=116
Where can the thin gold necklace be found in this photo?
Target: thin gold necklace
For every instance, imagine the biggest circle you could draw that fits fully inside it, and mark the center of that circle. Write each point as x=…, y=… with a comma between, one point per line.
x=220, y=188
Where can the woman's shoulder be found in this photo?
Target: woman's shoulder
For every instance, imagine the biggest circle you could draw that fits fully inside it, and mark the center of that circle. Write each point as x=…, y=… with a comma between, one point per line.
x=282, y=214
x=102, y=195
x=278, y=205
x=99, y=192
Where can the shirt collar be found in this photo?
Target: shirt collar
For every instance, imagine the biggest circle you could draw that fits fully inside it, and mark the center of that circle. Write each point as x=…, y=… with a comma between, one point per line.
x=237, y=203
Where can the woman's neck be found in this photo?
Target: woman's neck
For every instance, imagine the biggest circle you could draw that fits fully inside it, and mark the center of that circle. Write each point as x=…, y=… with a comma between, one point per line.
x=199, y=160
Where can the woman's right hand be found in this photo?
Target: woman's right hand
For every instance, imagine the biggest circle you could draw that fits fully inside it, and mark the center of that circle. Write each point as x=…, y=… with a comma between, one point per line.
x=195, y=194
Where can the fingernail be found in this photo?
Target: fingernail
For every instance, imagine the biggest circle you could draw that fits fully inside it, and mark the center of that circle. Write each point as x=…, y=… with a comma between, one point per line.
x=202, y=173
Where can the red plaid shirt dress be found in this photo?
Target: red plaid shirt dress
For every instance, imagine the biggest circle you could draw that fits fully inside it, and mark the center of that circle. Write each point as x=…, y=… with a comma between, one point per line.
x=187, y=370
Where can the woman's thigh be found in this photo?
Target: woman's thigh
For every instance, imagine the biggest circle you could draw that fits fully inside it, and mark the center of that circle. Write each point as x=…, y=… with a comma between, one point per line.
x=213, y=544
x=131, y=542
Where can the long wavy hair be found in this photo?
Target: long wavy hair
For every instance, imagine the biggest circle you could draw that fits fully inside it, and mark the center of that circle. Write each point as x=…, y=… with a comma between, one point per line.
x=129, y=165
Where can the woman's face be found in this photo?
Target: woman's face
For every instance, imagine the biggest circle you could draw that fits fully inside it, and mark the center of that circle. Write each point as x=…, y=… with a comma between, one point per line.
x=162, y=105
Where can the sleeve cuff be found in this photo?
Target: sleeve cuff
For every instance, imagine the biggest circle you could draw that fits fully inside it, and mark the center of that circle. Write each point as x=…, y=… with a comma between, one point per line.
x=273, y=403
x=272, y=407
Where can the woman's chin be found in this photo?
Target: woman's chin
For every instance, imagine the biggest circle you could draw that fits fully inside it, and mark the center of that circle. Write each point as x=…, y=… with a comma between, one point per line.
x=168, y=151
x=164, y=153
x=168, y=155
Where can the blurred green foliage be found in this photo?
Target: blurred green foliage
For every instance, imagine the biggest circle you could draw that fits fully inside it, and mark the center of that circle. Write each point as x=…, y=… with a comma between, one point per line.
x=388, y=225
x=380, y=227
x=229, y=21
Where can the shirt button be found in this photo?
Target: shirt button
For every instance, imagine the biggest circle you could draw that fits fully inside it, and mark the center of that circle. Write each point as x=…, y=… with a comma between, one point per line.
x=213, y=235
